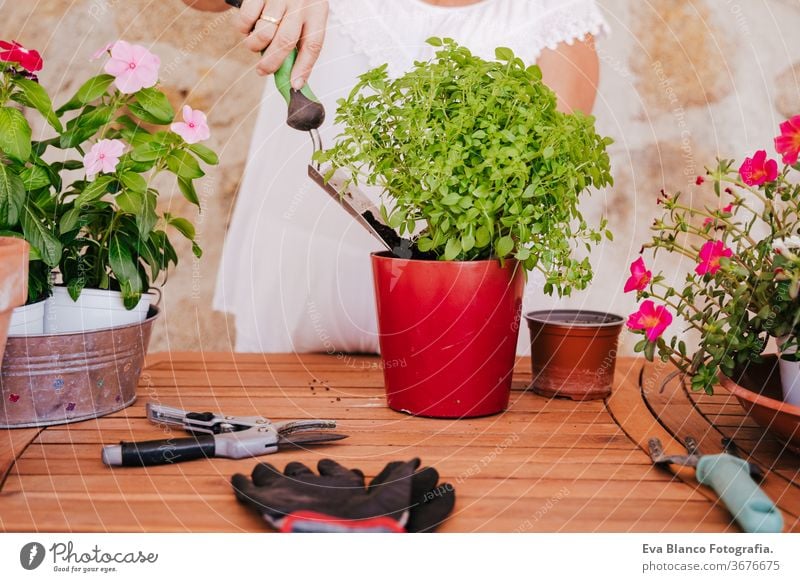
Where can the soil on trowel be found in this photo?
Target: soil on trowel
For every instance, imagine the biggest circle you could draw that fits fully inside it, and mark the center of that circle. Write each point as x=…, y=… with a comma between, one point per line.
x=402, y=248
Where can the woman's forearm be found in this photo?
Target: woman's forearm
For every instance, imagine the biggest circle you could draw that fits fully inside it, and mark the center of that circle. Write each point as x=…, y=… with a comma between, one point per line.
x=572, y=71
x=207, y=5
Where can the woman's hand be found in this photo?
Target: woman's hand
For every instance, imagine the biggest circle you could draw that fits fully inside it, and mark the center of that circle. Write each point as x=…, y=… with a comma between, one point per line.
x=281, y=25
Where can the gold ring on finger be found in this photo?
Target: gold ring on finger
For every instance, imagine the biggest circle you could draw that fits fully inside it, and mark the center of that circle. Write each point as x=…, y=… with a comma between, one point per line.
x=270, y=19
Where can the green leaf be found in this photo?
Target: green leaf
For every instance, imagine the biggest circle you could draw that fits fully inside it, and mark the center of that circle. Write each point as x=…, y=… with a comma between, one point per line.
x=504, y=246
x=15, y=134
x=452, y=249
x=34, y=177
x=70, y=220
x=39, y=237
x=148, y=152
x=75, y=286
x=95, y=190
x=187, y=189
x=434, y=41
x=152, y=106
x=125, y=270
x=33, y=95
x=85, y=126
x=130, y=201
x=504, y=54
x=204, y=153
x=147, y=218
x=133, y=181
x=12, y=196
x=88, y=92
x=183, y=165
x=182, y=225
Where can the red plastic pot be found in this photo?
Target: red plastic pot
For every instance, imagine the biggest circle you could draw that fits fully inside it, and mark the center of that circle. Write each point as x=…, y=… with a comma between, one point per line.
x=448, y=333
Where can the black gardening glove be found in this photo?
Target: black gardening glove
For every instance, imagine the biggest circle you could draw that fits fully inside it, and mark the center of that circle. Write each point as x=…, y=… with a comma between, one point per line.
x=338, y=499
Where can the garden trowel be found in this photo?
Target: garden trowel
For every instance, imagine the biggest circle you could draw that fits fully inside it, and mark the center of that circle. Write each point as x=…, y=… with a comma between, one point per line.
x=306, y=113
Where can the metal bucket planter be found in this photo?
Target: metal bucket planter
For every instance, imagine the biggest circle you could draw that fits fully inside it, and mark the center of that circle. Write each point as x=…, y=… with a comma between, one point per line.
x=67, y=377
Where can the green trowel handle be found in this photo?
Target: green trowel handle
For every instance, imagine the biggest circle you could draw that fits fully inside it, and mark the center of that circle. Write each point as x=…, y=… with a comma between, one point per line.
x=283, y=80
x=306, y=113
x=730, y=478
x=283, y=77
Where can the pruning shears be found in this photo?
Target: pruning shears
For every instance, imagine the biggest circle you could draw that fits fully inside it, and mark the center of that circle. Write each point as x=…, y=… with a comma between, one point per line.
x=217, y=435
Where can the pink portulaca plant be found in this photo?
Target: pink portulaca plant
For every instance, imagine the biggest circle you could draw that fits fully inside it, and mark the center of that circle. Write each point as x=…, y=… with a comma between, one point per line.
x=745, y=285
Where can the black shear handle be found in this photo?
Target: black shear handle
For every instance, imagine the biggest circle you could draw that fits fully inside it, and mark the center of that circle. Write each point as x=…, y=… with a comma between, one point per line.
x=160, y=452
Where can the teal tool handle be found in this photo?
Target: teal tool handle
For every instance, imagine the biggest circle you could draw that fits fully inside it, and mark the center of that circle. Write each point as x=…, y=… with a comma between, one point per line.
x=730, y=478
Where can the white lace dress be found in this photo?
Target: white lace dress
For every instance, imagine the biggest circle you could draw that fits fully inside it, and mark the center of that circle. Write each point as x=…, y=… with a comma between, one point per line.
x=295, y=270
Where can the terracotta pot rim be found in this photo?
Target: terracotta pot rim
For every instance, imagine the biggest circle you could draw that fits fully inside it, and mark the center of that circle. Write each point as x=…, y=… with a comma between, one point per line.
x=386, y=255
x=610, y=320
x=758, y=399
x=12, y=243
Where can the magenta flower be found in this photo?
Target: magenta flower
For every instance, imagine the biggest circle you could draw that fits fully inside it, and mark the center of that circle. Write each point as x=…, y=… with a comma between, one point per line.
x=639, y=278
x=788, y=142
x=134, y=67
x=651, y=319
x=708, y=221
x=758, y=169
x=728, y=209
x=193, y=128
x=103, y=157
x=28, y=59
x=710, y=255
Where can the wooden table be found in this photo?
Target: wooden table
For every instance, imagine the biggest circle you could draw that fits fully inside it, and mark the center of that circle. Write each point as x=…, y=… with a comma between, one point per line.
x=545, y=465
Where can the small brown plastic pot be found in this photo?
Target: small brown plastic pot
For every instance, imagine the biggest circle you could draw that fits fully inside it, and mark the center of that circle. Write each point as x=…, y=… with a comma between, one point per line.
x=13, y=281
x=573, y=352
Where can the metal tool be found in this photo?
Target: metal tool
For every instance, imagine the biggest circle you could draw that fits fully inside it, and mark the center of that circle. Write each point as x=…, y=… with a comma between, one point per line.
x=217, y=435
x=730, y=477
x=306, y=113
x=363, y=210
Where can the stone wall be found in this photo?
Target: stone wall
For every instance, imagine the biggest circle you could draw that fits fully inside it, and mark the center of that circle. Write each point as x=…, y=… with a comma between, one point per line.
x=683, y=81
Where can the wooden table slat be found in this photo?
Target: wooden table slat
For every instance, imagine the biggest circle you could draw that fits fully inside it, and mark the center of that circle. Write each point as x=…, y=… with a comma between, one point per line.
x=544, y=465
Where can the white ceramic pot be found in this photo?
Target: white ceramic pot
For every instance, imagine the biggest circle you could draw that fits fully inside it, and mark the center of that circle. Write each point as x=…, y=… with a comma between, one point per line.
x=94, y=309
x=790, y=375
x=27, y=320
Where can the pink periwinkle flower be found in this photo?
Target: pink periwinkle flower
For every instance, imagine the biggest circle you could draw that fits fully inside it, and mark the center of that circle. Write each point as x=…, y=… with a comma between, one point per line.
x=102, y=51
x=788, y=142
x=710, y=256
x=133, y=66
x=103, y=157
x=640, y=276
x=194, y=127
x=651, y=319
x=758, y=169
